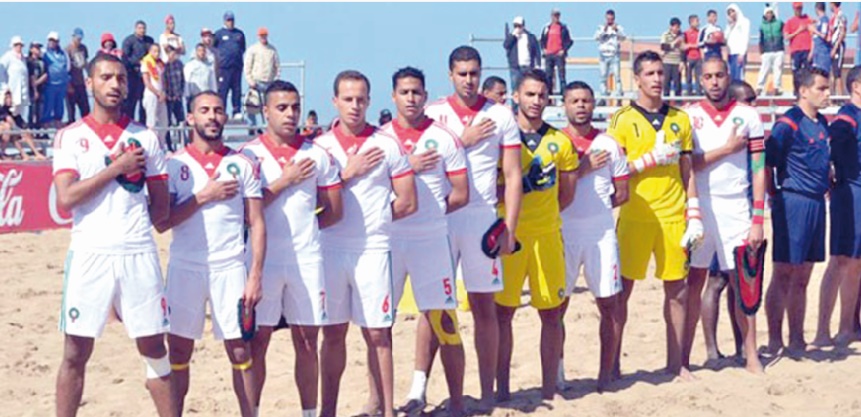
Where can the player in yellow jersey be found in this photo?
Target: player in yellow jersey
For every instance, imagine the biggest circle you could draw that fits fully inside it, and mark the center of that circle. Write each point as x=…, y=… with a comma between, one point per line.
x=658, y=142
x=549, y=164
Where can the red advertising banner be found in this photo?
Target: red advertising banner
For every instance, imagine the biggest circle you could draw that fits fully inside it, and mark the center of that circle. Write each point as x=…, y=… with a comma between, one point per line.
x=28, y=201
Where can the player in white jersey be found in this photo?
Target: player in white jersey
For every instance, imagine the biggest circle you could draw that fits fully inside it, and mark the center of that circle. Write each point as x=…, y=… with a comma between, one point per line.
x=297, y=177
x=379, y=188
x=420, y=245
x=728, y=150
x=214, y=193
x=588, y=226
x=101, y=165
x=490, y=134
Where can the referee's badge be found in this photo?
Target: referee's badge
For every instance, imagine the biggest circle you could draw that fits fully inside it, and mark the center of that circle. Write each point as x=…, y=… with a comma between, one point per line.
x=233, y=169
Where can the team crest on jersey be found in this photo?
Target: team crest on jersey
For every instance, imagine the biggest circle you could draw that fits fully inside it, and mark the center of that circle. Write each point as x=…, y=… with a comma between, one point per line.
x=133, y=183
x=553, y=148
x=431, y=144
x=737, y=121
x=74, y=314
x=233, y=169
x=675, y=128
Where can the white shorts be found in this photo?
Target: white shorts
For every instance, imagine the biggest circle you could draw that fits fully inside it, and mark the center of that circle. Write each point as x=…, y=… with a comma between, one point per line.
x=479, y=273
x=359, y=288
x=599, y=256
x=429, y=266
x=189, y=289
x=130, y=284
x=723, y=232
x=295, y=291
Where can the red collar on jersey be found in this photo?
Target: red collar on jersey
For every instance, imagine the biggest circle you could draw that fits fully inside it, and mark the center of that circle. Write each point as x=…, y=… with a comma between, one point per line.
x=582, y=143
x=351, y=144
x=282, y=154
x=408, y=136
x=466, y=114
x=109, y=133
x=210, y=162
x=717, y=116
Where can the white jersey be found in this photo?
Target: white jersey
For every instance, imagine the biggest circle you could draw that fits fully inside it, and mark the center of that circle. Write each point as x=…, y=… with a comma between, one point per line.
x=115, y=220
x=214, y=234
x=592, y=205
x=292, y=213
x=432, y=186
x=727, y=177
x=367, y=220
x=483, y=158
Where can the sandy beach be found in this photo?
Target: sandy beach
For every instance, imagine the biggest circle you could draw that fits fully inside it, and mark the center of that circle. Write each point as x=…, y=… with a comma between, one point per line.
x=823, y=383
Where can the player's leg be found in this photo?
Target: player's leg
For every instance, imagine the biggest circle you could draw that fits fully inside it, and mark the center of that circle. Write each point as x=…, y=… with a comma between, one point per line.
x=849, y=293
x=811, y=244
x=158, y=383
x=306, y=365
x=636, y=243
x=609, y=333
x=696, y=281
x=447, y=335
x=710, y=311
x=775, y=303
x=747, y=325
x=546, y=270
x=796, y=307
x=670, y=260
x=333, y=359
x=627, y=290
x=426, y=347
x=268, y=313
x=70, y=377
x=259, y=345
x=828, y=289
x=732, y=306
x=515, y=268
x=504, y=316
x=551, y=349
x=244, y=384
x=180, y=350
x=601, y=270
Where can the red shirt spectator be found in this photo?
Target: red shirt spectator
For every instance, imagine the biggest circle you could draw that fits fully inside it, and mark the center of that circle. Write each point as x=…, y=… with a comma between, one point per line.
x=554, y=39
x=691, y=38
x=802, y=41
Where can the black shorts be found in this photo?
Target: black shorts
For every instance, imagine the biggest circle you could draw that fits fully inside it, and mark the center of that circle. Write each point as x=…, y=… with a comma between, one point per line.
x=837, y=61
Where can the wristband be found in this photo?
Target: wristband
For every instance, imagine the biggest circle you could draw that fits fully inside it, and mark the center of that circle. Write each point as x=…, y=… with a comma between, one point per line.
x=693, y=211
x=758, y=219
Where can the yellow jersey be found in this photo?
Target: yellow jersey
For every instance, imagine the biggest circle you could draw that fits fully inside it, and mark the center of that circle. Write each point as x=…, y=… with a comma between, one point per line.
x=539, y=210
x=657, y=194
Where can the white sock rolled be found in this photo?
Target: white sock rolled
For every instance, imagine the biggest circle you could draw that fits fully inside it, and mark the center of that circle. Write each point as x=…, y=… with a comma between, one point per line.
x=420, y=381
x=309, y=413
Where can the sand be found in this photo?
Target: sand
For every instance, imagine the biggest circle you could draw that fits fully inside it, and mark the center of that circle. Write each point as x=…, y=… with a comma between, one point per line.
x=825, y=382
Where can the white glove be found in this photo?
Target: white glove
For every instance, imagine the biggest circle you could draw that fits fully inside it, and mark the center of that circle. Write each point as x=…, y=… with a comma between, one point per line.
x=662, y=154
x=694, y=232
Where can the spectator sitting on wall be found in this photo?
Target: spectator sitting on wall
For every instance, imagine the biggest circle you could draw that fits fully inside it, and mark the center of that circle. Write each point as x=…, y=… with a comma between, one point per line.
x=10, y=119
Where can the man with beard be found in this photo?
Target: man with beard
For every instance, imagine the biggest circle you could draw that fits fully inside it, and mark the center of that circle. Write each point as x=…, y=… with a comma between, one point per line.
x=297, y=178
x=214, y=193
x=657, y=139
x=550, y=164
x=588, y=226
x=101, y=165
x=727, y=135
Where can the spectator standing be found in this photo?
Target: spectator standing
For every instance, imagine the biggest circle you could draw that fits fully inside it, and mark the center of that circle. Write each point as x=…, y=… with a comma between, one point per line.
x=771, y=51
x=521, y=48
x=78, y=58
x=229, y=43
x=170, y=38
x=737, y=40
x=609, y=37
x=820, y=56
x=57, y=66
x=693, y=56
x=109, y=46
x=555, y=42
x=385, y=117
x=312, y=127
x=135, y=47
x=38, y=75
x=262, y=66
x=14, y=75
x=671, y=47
x=174, y=90
x=837, y=38
x=207, y=38
x=711, y=38
x=797, y=32
x=199, y=73
x=494, y=89
x=154, y=99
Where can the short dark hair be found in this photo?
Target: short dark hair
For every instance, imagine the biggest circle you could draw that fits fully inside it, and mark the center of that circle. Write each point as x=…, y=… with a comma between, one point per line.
x=805, y=77
x=463, y=53
x=408, y=72
x=491, y=82
x=711, y=12
x=692, y=17
x=675, y=22
x=820, y=5
x=578, y=85
x=854, y=76
x=278, y=86
x=312, y=113
x=193, y=99
x=611, y=12
x=836, y=3
x=715, y=59
x=533, y=74
x=91, y=66
x=738, y=89
x=645, y=56
x=140, y=22
x=199, y=45
x=350, y=75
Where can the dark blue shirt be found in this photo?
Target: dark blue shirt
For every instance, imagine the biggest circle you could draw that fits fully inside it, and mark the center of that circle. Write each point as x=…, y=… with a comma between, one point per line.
x=798, y=150
x=845, y=151
x=230, y=46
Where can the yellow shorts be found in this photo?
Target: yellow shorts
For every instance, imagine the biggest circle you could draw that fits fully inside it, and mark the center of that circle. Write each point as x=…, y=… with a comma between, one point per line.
x=639, y=240
x=542, y=259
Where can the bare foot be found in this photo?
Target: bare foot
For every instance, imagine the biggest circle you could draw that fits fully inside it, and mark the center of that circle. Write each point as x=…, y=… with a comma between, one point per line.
x=714, y=355
x=844, y=339
x=772, y=349
x=484, y=406
x=502, y=396
x=796, y=350
x=754, y=366
x=605, y=383
x=822, y=340
x=413, y=407
x=40, y=157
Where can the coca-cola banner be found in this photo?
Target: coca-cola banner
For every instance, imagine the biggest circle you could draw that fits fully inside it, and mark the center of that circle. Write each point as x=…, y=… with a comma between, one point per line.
x=28, y=201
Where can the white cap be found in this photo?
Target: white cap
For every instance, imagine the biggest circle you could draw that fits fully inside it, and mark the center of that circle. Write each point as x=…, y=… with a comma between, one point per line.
x=518, y=20
x=767, y=9
x=16, y=40
x=54, y=35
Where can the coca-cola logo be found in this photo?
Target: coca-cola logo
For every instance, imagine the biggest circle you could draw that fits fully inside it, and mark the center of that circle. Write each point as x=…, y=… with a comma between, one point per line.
x=11, y=206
